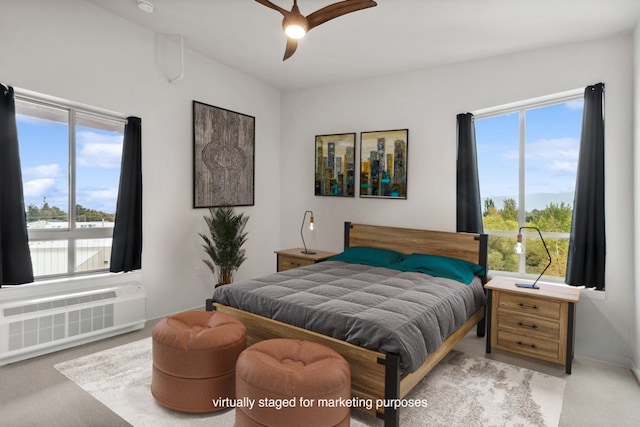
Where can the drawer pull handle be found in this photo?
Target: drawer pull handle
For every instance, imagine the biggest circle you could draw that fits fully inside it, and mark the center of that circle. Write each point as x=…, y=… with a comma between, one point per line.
x=527, y=326
x=523, y=305
x=526, y=345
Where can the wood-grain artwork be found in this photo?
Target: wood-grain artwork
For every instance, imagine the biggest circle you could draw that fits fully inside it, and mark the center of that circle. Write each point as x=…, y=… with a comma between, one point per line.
x=223, y=157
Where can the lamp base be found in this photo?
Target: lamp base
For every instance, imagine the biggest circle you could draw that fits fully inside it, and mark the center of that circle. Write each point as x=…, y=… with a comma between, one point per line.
x=307, y=252
x=527, y=285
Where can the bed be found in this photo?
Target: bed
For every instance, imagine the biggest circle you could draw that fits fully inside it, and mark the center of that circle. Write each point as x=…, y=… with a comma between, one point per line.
x=362, y=309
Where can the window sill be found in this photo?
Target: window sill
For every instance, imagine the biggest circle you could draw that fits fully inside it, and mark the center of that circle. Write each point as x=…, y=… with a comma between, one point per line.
x=66, y=284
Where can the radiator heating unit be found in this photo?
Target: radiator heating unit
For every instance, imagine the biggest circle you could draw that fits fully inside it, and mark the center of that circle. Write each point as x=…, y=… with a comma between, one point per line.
x=33, y=325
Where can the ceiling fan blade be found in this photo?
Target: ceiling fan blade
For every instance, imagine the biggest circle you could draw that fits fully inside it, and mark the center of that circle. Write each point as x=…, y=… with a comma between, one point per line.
x=292, y=45
x=270, y=5
x=335, y=10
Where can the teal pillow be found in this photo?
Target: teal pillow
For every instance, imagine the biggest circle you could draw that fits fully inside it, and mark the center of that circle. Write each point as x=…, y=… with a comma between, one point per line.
x=440, y=266
x=374, y=257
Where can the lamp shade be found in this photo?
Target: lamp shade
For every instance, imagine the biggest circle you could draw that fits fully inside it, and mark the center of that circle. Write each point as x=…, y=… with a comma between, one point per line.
x=295, y=25
x=295, y=31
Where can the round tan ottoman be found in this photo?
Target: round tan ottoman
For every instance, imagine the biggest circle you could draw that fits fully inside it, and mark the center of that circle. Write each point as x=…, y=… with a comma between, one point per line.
x=194, y=358
x=289, y=380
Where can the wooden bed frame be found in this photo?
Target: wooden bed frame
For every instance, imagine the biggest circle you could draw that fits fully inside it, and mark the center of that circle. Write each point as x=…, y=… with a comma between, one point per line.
x=376, y=375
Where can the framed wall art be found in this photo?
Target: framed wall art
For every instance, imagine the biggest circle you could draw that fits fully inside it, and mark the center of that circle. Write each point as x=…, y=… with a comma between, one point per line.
x=335, y=165
x=223, y=157
x=383, y=164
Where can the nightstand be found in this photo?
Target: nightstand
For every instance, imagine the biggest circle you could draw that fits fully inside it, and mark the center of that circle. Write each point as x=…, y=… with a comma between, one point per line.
x=535, y=322
x=294, y=258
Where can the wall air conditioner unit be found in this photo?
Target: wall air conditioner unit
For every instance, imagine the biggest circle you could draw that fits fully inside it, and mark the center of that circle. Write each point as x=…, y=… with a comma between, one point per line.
x=35, y=322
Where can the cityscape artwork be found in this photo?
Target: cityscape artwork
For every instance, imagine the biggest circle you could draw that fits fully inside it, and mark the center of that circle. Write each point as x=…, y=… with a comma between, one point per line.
x=383, y=164
x=335, y=165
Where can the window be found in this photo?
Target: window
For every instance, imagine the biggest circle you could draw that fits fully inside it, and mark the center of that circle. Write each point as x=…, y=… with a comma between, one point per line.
x=527, y=163
x=70, y=159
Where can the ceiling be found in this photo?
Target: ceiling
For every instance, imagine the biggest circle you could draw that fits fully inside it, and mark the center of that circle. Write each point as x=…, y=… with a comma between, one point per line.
x=395, y=36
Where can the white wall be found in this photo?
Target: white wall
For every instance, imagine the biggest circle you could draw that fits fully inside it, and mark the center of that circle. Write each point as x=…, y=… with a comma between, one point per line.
x=636, y=194
x=76, y=51
x=426, y=102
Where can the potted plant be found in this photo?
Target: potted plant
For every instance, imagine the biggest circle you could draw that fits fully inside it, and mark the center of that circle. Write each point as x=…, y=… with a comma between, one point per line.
x=224, y=242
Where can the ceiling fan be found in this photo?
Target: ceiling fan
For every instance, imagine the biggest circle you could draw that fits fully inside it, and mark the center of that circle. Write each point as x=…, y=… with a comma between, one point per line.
x=296, y=25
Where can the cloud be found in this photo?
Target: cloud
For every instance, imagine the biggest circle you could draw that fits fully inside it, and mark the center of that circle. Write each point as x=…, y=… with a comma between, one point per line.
x=557, y=149
x=38, y=187
x=41, y=181
x=101, y=194
x=552, y=164
x=99, y=150
x=52, y=170
x=566, y=166
x=101, y=199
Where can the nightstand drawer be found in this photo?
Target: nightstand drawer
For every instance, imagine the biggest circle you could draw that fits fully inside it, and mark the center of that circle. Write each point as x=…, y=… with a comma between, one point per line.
x=530, y=305
x=298, y=257
x=541, y=348
x=287, y=262
x=528, y=325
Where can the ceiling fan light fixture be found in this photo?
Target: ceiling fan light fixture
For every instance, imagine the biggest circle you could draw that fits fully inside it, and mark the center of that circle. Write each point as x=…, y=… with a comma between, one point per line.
x=295, y=31
x=296, y=25
x=146, y=6
x=295, y=28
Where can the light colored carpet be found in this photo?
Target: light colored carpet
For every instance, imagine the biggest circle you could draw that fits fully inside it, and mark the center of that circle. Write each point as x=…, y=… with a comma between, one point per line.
x=461, y=391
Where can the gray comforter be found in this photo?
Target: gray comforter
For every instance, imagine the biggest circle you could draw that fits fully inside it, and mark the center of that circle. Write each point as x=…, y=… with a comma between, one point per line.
x=409, y=314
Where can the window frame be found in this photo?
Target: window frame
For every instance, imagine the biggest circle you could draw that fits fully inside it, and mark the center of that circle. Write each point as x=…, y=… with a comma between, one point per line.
x=70, y=234
x=521, y=107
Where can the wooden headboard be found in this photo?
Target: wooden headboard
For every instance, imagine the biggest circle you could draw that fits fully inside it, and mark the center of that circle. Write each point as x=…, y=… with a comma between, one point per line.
x=470, y=247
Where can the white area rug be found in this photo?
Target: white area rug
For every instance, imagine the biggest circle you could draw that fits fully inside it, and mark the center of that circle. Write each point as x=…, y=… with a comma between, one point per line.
x=461, y=391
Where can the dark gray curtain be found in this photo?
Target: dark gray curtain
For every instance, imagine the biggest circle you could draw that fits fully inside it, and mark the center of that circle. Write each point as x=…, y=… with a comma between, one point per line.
x=126, y=252
x=15, y=258
x=468, y=205
x=586, y=260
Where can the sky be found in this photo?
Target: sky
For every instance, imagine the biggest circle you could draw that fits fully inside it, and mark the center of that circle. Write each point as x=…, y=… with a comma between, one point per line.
x=45, y=164
x=552, y=140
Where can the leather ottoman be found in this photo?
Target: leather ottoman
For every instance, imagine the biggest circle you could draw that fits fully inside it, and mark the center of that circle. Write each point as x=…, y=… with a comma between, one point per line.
x=194, y=358
x=292, y=383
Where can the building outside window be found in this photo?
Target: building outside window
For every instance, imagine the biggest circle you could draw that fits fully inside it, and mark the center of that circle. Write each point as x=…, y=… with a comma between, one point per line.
x=70, y=159
x=527, y=161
